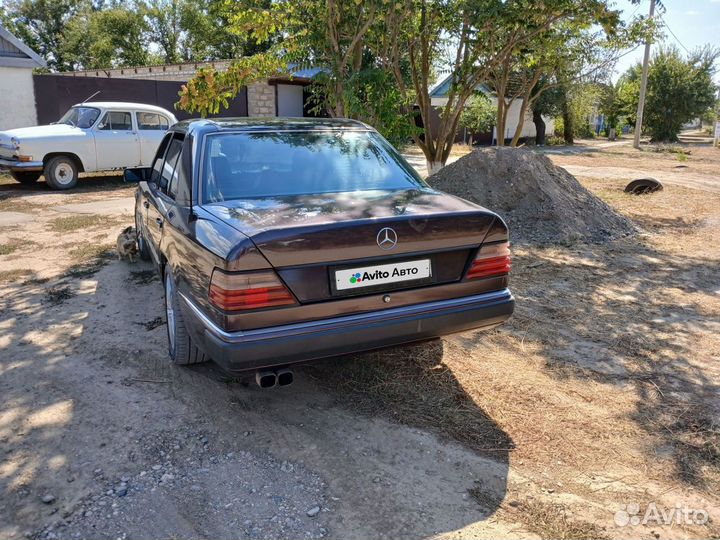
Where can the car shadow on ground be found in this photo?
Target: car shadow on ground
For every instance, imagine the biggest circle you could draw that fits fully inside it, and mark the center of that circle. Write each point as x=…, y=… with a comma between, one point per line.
x=87, y=183
x=88, y=397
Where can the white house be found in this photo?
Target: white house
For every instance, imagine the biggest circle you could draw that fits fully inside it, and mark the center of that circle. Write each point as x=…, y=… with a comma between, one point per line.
x=438, y=98
x=17, y=61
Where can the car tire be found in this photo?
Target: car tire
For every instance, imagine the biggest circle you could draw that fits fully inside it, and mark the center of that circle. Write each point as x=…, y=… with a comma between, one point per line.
x=143, y=250
x=26, y=177
x=61, y=172
x=180, y=345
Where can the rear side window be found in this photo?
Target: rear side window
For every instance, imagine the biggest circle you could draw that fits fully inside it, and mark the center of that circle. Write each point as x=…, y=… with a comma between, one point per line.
x=159, y=158
x=116, y=121
x=169, y=173
x=152, y=122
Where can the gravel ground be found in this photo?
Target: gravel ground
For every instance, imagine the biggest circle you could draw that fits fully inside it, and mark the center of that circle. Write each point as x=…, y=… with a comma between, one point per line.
x=588, y=404
x=541, y=203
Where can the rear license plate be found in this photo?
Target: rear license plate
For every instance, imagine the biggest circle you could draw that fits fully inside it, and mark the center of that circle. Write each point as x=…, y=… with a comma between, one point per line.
x=352, y=278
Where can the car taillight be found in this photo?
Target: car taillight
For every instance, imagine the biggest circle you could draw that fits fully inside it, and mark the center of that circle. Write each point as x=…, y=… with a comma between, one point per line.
x=248, y=290
x=491, y=260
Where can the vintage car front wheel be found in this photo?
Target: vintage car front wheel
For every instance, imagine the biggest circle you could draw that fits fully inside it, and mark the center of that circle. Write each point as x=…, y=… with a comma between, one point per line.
x=180, y=346
x=26, y=177
x=61, y=172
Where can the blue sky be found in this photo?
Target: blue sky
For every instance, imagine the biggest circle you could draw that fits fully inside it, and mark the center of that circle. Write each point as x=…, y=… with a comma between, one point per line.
x=694, y=22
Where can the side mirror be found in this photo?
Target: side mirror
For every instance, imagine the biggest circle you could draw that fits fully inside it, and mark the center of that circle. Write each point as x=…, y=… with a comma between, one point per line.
x=137, y=174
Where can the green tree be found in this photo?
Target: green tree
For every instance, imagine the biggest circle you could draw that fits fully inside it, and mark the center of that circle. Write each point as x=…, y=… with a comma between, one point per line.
x=164, y=20
x=679, y=90
x=372, y=96
x=41, y=25
x=489, y=40
x=209, y=31
x=610, y=105
x=547, y=103
x=410, y=39
x=478, y=115
x=108, y=38
x=329, y=32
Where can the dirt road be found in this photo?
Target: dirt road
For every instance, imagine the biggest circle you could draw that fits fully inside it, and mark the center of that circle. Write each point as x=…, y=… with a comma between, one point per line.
x=543, y=428
x=94, y=418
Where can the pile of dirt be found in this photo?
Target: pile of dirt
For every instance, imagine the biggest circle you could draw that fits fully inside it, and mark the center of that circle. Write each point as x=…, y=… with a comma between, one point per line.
x=541, y=203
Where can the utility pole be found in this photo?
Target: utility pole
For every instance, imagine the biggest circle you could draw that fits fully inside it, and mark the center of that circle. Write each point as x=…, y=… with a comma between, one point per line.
x=643, y=84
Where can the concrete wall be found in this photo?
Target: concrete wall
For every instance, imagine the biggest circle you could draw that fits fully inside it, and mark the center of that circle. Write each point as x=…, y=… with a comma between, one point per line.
x=261, y=99
x=17, y=106
x=173, y=72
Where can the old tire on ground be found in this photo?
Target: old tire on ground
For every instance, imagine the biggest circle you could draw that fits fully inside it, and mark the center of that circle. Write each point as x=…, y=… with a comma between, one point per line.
x=642, y=186
x=61, y=172
x=26, y=177
x=180, y=346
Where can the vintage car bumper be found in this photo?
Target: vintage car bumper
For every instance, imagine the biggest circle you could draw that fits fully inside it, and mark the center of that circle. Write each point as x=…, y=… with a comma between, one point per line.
x=282, y=345
x=13, y=165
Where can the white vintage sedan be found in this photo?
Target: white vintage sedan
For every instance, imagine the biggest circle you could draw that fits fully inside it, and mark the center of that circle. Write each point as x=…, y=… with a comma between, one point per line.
x=90, y=137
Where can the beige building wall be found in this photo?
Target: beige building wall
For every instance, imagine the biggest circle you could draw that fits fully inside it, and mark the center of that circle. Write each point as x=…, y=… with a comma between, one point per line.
x=17, y=106
x=513, y=118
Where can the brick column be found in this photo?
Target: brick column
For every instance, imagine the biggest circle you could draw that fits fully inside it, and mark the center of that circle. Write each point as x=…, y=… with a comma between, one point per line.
x=261, y=99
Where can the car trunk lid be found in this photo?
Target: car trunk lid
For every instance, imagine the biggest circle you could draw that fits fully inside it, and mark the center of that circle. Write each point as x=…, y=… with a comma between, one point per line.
x=308, y=238
x=336, y=227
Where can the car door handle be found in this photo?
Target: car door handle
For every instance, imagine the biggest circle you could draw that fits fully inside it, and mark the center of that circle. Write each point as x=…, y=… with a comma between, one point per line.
x=159, y=221
x=146, y=204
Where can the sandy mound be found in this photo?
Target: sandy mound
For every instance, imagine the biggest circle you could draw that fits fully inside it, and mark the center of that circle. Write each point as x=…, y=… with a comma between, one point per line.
x=541, y=203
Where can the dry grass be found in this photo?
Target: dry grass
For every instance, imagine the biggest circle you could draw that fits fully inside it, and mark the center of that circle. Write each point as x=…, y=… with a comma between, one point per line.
x=553, y=522
x=87, y=252
x=603, y=383
x=6, y=179
x=700, y=158
x=8, y=276
x=7, y=249
x=415, y=385
x=16, y=203
x=14, y=244
x=76, y=222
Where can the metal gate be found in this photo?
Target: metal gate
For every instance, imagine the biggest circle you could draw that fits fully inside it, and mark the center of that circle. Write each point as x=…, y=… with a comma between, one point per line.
x=55, y=94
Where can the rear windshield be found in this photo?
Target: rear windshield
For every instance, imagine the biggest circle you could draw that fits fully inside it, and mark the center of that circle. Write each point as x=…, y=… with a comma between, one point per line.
x=253, y=165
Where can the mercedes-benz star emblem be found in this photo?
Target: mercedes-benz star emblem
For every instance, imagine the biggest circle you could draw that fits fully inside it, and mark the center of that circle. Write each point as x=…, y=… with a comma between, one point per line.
x=387, y=238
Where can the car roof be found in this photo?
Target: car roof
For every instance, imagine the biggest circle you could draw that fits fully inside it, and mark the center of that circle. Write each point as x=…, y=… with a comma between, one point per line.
x=124, y=105
x=270, y=124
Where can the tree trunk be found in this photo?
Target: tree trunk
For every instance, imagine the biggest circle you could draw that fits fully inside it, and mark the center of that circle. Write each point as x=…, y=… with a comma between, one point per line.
x=567, y=123
x=539, y=128
x=339, y=111
x=433, y=166
x=501, y=120
x=520, y=124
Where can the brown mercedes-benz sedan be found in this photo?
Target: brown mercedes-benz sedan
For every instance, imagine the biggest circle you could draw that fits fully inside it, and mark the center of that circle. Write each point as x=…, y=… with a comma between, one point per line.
x=283, y=240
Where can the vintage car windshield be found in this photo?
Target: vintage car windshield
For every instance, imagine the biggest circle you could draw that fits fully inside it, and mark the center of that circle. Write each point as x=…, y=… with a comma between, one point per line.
x=270, y=164
x=82, y=117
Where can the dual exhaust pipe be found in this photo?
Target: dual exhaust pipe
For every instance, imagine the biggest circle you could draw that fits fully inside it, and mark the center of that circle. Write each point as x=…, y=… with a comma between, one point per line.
x=272, y=378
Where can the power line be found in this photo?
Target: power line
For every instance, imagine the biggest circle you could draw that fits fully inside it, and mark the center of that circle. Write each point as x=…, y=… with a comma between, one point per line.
x=673, y=33
x=636, y=9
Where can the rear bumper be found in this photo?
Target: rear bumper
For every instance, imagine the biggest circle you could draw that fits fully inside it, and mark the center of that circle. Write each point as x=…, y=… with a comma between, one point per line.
x=280, y=345
x=13, y=165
